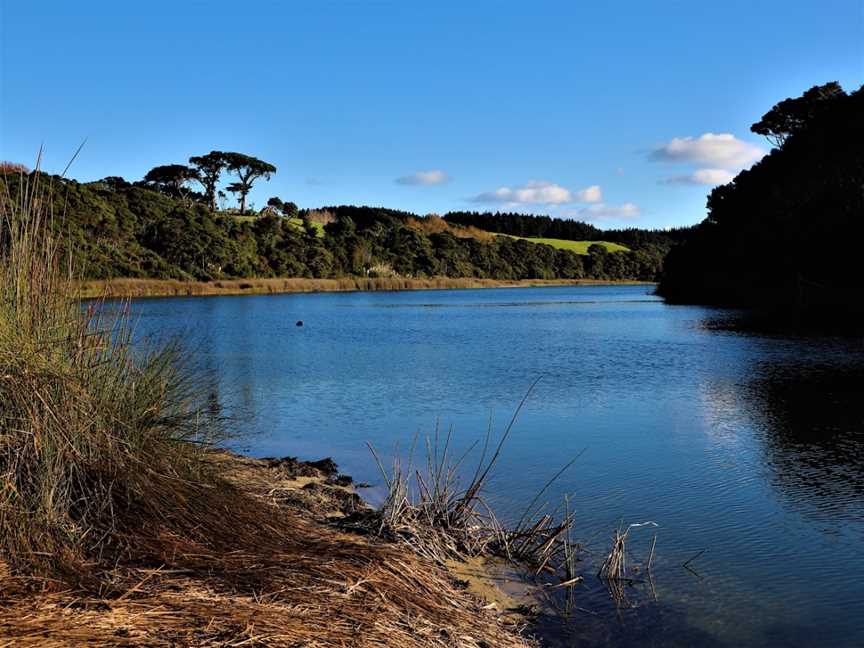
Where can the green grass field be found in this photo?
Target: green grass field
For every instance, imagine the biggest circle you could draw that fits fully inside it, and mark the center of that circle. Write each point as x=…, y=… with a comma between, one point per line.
x=295, y=222
x=298, y=223
x=579, y=247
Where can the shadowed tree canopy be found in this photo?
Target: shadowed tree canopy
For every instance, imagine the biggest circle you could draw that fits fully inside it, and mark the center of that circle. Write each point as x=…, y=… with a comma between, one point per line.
x=171, y=179
x=793, y=115
x=786, y=234
x=287, y=209
x=209, y=169
x=247, y=169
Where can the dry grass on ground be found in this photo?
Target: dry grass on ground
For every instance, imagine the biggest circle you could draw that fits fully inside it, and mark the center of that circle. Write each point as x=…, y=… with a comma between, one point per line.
x=289, y=581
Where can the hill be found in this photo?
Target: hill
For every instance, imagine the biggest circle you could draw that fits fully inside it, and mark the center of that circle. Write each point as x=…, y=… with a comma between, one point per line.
x=118, y=229
x=578, y=247
x=545, y=227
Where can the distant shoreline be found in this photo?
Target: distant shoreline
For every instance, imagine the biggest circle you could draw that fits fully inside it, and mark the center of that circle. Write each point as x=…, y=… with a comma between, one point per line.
x=113, y=288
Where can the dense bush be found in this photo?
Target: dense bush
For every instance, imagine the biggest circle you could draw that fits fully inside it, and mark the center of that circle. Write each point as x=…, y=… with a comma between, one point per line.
x=118, y=229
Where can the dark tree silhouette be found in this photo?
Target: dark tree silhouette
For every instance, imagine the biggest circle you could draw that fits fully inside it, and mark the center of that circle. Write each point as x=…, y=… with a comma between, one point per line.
x=786, y=234
x=209, y=169
x=247, y=169
x=793, y=115
x=287, y=209
x=171, y=179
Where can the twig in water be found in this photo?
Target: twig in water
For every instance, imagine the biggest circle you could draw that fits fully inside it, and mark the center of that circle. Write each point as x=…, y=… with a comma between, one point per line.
x=686, y=565
x=695, y=556
x=651, y=557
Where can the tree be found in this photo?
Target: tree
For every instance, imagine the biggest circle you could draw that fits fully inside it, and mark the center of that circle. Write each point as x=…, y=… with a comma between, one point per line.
x=747, y=252
x=275, y=203
x=209, y=169
x=793, y=115
x=247, y=169
x=171, y=179
x=287, y=209
x=115, y=183
x=290, y=210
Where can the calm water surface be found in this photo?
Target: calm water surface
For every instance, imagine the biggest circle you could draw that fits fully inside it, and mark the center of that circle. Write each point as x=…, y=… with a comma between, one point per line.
x=748, y=446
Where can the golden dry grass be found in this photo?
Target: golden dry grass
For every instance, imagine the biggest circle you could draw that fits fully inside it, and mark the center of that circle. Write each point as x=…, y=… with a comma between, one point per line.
x=267, y=286
x=289, y=581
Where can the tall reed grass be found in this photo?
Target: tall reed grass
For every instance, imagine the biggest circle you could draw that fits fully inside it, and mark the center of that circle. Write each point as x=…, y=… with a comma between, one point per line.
x=90, y=429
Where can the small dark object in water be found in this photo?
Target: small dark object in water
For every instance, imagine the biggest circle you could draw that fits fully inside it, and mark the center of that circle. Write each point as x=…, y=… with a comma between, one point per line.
x=299, y=322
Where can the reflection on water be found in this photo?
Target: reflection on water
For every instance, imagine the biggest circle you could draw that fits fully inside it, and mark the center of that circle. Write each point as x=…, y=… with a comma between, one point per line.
x=746, y=445
x=813, y=424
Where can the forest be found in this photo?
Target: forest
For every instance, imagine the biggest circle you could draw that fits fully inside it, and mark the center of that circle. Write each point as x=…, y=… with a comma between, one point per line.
x=159, y=227
x=785, y=234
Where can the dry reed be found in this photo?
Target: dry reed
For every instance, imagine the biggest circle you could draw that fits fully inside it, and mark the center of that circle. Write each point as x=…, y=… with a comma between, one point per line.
x=129, y=287
x=433, y=513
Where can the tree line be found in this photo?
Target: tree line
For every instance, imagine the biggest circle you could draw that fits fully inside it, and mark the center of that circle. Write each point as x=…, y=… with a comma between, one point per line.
x=534, y=226
x=154, y=229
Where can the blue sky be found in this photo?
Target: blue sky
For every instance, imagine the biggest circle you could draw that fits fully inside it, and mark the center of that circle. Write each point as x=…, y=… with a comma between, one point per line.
x=620, y=113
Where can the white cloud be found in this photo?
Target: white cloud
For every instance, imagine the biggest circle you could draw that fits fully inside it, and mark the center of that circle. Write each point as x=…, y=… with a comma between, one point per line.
x=426, y=178
x=624, y=211
x=540, y=192
x=721, y=150
x=703, y=177
x=591, y=194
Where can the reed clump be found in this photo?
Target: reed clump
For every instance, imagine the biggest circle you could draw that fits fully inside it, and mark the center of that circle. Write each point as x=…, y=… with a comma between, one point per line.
x=90, y=431
x=439, y=517
x=118, y=527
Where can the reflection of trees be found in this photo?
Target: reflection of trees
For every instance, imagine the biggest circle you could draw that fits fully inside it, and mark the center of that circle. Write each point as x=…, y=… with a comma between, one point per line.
x=812, y=423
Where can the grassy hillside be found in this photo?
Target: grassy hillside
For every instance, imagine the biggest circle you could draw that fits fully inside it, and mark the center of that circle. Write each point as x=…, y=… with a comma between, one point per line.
x=579, y=247
x=294, y=222
x=298, y=223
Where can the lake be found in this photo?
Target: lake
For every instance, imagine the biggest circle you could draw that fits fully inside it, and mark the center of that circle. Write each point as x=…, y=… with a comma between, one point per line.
x=749, y=447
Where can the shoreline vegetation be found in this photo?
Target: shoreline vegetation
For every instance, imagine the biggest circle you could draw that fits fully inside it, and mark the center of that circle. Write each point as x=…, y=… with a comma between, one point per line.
x=135, y=288
x=122, y=522
x=300, y=580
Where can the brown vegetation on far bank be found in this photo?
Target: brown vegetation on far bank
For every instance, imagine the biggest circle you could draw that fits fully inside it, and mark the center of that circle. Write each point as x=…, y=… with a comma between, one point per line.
x=113, y=288
x=434, y=224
